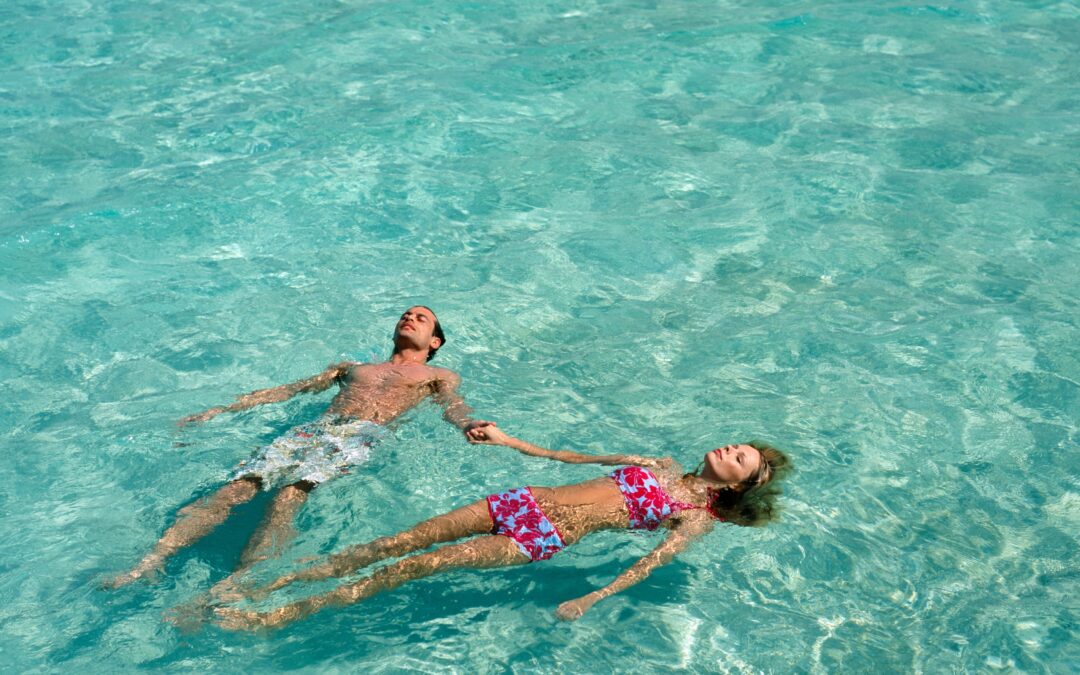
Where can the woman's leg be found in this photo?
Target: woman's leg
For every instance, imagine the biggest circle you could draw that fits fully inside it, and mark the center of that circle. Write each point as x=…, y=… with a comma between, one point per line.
x=460, y=523
x=484, y=552
x=193, y=522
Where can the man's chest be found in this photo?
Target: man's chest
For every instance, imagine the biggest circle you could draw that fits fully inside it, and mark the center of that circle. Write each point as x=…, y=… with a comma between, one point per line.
x=389, y=378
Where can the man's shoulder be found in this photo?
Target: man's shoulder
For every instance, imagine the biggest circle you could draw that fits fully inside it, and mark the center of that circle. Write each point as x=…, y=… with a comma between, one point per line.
x=444, y=374
x=346, y=367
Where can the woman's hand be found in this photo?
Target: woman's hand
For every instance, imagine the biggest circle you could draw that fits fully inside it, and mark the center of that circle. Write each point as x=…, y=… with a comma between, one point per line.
x=573, y=609
x=488, y=434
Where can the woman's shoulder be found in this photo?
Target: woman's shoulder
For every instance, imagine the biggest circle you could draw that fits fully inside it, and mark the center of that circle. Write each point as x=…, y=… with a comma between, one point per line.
x=656, y=465
x=666, y=468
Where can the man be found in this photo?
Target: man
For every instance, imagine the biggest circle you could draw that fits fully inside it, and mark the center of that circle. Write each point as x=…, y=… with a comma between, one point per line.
x=371, y=395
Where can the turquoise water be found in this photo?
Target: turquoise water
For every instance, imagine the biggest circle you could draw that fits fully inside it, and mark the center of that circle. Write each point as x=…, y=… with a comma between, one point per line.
x=848, y=228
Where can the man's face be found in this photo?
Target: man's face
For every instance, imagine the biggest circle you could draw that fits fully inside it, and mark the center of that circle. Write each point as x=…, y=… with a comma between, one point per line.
x=416, y=328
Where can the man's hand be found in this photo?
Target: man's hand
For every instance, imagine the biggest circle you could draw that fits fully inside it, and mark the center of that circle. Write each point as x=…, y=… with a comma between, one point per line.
x=573, y=609
x=485, y=433
x=475, y=430
x=201, y=417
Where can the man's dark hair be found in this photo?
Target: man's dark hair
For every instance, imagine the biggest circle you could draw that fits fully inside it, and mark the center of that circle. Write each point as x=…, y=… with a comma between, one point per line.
x=438, y=332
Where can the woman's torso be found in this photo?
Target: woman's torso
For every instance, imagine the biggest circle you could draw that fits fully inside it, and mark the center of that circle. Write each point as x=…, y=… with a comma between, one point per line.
x=579, y=509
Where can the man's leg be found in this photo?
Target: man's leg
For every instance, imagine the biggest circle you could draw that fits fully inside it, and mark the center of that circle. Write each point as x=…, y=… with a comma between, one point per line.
x=275, y=531
x=193, y=522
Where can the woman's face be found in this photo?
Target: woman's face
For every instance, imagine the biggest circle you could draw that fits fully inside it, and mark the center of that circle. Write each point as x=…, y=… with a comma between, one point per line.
x=731, y=464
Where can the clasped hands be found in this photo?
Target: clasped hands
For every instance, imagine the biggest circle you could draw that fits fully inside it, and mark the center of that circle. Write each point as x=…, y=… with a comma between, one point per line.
x=482, y=432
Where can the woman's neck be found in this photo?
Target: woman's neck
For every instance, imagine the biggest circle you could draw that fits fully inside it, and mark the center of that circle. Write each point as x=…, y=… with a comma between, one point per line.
x=697, y=488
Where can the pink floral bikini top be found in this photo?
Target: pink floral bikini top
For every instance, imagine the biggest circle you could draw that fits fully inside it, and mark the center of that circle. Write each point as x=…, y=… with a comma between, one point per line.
x=646, y=502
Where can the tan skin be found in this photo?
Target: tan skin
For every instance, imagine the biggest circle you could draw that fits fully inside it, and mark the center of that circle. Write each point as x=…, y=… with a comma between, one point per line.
x=575, y=510
x=376, y=392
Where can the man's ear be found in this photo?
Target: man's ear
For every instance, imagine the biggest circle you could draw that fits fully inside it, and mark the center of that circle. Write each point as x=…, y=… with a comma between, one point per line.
x=435, y=343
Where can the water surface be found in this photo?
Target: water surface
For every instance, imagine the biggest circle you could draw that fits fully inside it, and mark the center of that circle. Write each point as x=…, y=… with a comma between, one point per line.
x=847, y=228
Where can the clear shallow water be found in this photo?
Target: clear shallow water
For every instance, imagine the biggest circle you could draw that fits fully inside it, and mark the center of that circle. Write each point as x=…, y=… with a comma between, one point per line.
x=848, y=228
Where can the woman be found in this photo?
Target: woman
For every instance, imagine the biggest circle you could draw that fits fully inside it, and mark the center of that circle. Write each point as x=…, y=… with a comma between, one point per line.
x=733, y=484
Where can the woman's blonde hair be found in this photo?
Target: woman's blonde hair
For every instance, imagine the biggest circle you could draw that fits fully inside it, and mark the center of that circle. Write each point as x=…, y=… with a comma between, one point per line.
x=753, y=502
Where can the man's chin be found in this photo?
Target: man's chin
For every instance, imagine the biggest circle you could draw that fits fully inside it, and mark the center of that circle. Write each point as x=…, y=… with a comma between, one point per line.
x=403, y=342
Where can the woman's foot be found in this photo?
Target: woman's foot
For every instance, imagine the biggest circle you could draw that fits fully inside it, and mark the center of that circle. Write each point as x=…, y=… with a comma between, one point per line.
x=149, y=569
x=232, y=618
x=190, y=616
x=228, y=590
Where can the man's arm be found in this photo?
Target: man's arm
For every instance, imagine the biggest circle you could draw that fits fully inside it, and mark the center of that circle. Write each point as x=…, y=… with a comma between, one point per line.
x=455, y=410
x=682, y=535
x=320, y=382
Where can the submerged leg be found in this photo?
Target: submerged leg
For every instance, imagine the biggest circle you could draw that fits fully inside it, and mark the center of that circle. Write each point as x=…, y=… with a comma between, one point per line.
x=274, y=532
x=193, y=522
x=276, y=529
x=460, y=523
x=484, y=552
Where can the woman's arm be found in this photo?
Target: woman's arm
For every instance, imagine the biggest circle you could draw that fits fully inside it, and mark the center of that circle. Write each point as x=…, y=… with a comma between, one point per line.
x=492, y=435
x=676, y=542
x=320, y=382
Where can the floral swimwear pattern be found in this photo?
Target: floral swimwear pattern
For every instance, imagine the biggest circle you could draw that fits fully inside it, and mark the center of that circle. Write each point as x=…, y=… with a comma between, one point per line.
x=516, y=514
x=646, y=502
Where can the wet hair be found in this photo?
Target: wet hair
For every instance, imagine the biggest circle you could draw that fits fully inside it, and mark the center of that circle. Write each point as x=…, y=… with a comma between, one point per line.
x=753, y=501
x=438, y=332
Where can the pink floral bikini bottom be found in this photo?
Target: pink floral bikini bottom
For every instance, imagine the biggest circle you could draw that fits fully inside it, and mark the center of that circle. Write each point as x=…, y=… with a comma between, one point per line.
x=516, y=514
